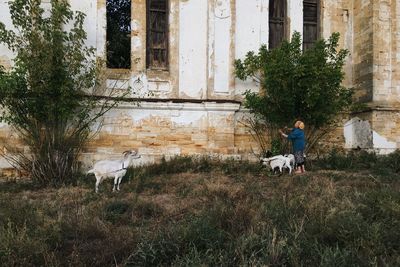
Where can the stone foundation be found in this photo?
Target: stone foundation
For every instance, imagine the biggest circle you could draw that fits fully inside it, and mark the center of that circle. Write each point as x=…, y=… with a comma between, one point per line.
x=159, y=130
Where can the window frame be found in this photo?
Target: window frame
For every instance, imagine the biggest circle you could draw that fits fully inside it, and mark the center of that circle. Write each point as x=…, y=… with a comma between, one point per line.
x=317, y=22
x=108, y=65
x=149, y=66
x=277, y=20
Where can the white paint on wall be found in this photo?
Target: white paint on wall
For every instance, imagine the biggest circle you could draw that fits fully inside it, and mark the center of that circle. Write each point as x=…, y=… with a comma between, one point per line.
x=264, y=17
x=251, y=16
x=250, y=33
x=295, y=12
x=136, y=39
x=358, y=134
x=87, y=7
x=222, y=45
x=193, y=48
x=189, y=118
x=182, y=114
x=139, y=85
x=326, y=23
x=90, y=9
x=117, y=84
x=384, y=145
x=101, y=27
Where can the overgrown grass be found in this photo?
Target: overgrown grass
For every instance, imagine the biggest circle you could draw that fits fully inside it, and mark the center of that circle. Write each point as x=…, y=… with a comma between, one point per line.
x=360, y=160
x=198, y=212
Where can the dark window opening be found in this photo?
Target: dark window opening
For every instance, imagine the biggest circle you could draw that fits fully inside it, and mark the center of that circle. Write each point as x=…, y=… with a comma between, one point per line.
x=310, y=23
x=277, y=22
x=119, y=34
x=157, y=34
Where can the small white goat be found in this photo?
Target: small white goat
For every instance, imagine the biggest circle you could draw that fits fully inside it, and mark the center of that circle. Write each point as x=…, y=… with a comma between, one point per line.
x=279, y=162
x=113, y=168
x=291, y=158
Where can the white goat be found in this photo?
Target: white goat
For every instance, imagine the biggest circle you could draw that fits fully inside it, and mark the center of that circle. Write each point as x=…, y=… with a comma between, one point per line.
x=113, y=168
x=291, y=158
x=278, y=162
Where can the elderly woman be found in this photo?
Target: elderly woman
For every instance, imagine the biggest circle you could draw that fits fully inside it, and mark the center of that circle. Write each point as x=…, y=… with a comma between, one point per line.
x=298, y=140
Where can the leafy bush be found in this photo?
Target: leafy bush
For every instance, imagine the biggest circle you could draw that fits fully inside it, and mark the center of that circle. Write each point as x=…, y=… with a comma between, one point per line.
x=51, y=95
x=297, y=85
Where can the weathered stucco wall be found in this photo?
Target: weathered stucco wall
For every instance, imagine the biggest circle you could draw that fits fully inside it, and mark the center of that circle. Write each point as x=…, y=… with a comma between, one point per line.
x=195, y=105
x=169, y=130
x=376, y=76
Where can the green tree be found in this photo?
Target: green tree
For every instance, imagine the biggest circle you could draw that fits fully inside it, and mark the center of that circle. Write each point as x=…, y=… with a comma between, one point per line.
x=118, y=33
x=53, y=95
x=297, y=85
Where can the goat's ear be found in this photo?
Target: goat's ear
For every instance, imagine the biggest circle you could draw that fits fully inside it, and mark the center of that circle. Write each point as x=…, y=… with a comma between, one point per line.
x=125, y=153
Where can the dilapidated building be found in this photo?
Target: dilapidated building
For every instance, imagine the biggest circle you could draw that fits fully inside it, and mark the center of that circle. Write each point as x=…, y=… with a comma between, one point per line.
x=178, y=56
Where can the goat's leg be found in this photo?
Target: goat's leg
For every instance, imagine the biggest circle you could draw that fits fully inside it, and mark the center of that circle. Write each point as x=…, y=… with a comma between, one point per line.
x=119, y=182
x=98, y=180
x=115, y=182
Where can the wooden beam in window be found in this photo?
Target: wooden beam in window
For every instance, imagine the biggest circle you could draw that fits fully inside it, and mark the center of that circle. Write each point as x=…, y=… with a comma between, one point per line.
x=311, y=15
x=277, y=22
x=157, y=34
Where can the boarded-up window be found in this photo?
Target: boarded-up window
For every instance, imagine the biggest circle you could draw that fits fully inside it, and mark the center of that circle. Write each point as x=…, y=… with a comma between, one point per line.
x=277, y=22
x=119, y=34
x=157, y=34
x=310, y=22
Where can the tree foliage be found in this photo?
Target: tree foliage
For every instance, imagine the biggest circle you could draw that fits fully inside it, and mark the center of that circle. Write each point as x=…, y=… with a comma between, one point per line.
x=118, y=33
x=48, y=96
x=297, y=84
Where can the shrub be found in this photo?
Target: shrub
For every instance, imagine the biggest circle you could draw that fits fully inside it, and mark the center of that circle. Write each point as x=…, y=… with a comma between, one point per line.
x=297, y=85
x=53, y=107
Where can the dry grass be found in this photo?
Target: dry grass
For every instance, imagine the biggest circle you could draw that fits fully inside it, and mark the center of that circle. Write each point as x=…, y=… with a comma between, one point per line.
x=223, y=213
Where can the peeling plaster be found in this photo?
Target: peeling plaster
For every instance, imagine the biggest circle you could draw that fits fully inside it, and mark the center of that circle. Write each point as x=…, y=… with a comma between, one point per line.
x=383, y=144
x=359, y=134
x=193, y=48
x=221, y=43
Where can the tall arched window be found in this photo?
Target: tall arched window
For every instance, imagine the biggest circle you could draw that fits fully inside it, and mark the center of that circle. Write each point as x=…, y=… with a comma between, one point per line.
x=277, y=22
x=118, y=34
x=310, y=22
x=157, y=34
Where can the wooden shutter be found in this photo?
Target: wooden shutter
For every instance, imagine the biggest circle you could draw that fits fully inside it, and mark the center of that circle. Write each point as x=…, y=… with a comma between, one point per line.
x=277, y=22
x=310, y=23
x=157, y=34
x=118, y=33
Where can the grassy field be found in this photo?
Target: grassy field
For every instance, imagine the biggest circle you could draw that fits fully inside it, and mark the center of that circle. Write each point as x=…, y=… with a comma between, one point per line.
x=344, y=212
